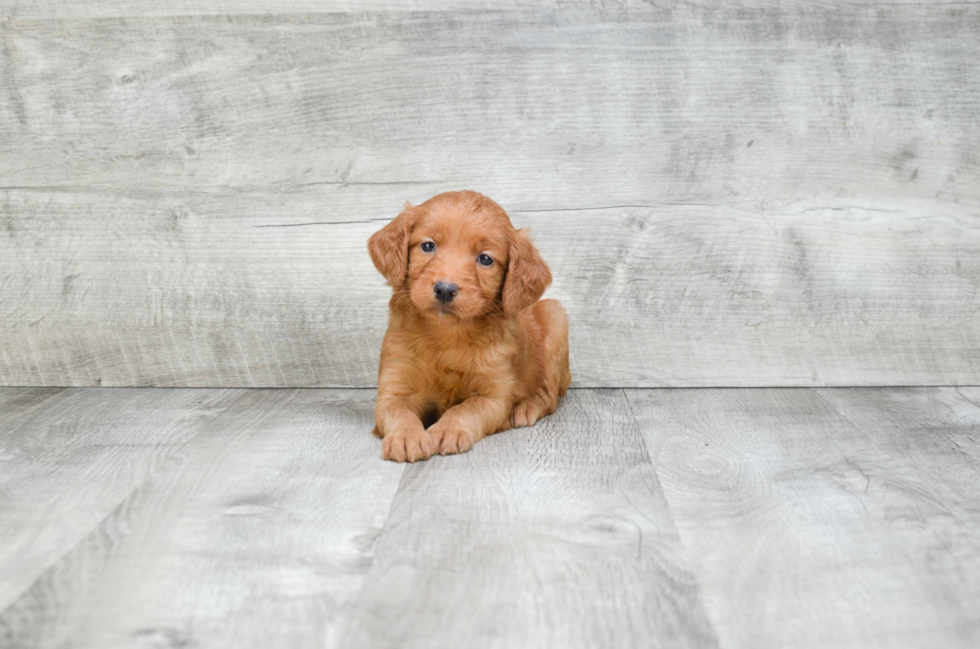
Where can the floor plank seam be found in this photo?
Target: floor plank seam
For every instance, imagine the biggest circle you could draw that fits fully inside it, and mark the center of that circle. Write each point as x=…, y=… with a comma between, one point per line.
x=843, y=441
x=965, y=396
x=688, y=554
x=83, y=538
x=357, y=601
x=864, y=435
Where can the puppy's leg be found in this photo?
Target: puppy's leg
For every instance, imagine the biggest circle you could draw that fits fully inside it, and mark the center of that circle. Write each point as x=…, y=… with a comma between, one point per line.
x=466, y=423
x=557, y=375
x=398, y=421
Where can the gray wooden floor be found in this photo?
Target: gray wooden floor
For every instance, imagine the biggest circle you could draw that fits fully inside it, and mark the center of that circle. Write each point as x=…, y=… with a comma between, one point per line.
x=682, y=518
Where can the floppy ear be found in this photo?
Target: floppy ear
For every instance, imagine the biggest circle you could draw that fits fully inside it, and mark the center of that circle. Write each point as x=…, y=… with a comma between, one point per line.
x=527, y=275
x=389, y=247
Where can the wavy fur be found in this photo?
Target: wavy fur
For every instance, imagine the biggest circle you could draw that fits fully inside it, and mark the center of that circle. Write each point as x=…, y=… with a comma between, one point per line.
x=494, y=358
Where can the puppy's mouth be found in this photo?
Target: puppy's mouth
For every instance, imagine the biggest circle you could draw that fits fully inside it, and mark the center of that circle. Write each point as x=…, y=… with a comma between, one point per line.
x=445, y=309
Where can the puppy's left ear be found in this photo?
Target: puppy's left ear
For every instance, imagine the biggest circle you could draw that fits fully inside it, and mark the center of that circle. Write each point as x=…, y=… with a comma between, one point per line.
x=527, y=275
x=389, y=247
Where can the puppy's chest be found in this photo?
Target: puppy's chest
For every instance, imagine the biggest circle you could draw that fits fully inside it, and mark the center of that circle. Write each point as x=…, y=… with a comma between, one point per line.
x=455, y=373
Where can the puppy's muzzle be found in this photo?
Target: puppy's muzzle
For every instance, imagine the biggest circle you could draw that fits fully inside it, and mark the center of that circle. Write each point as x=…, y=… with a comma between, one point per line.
x=445, y=292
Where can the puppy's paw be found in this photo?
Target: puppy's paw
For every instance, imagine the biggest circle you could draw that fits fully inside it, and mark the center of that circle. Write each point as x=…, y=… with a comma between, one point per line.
x=452, y=439
x=409, y=447
x=525, y=414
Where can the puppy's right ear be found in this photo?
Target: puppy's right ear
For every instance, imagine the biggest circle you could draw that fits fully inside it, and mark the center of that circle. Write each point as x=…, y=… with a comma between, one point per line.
x=389, y=247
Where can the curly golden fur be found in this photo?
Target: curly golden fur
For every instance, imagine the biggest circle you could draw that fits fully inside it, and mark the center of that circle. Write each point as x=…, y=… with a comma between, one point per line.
x=471, y=348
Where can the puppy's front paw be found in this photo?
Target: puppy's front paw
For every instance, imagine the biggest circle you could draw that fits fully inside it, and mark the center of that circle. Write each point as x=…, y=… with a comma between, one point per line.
x=409, y=447
x=525, y=414
x=452, y=439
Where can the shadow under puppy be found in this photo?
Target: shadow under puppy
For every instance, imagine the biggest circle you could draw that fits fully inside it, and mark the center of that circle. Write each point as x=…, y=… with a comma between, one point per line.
x=471, y=349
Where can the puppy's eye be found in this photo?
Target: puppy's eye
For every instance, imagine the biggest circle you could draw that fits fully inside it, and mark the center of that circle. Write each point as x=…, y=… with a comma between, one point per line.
x=485, y=260
x=427, y=246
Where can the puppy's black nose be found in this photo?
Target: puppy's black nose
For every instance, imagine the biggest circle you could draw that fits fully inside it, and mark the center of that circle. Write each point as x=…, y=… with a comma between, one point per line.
x=445, y=292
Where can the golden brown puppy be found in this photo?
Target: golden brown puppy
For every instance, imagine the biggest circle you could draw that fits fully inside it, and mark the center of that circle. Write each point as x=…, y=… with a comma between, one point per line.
x=470, y=350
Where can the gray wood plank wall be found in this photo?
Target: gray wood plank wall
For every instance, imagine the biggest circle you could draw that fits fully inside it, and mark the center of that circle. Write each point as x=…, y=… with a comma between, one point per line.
x=775, y=194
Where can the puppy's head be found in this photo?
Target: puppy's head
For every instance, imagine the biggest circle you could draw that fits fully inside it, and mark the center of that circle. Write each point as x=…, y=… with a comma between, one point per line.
x=458, y=256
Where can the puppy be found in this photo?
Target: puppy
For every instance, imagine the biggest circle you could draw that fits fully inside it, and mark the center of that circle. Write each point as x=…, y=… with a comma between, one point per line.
x=471, y=349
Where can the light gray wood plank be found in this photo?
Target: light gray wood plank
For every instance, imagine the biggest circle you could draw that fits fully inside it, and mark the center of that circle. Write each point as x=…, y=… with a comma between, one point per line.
x=39, y=9
x=18, y=403
x=826, y=159
x=552, y=536
x=804, y=531
x=257, y=533
x=934, y=431
x=34, y=9
x=541, y=109
x=803, y=294
x=68, y=458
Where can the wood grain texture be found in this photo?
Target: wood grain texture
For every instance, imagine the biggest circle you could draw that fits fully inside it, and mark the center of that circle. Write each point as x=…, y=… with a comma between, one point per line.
x=34, y=9
x=766, y=518
x=970, y=392
x=553, y=536
x=935, y=431
x=778, y=195
x=542, y=109
x=201, y=292
x=59, y=9
x=257, y=533
x=69, y=457
x=17, y=403
x=805, y=532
